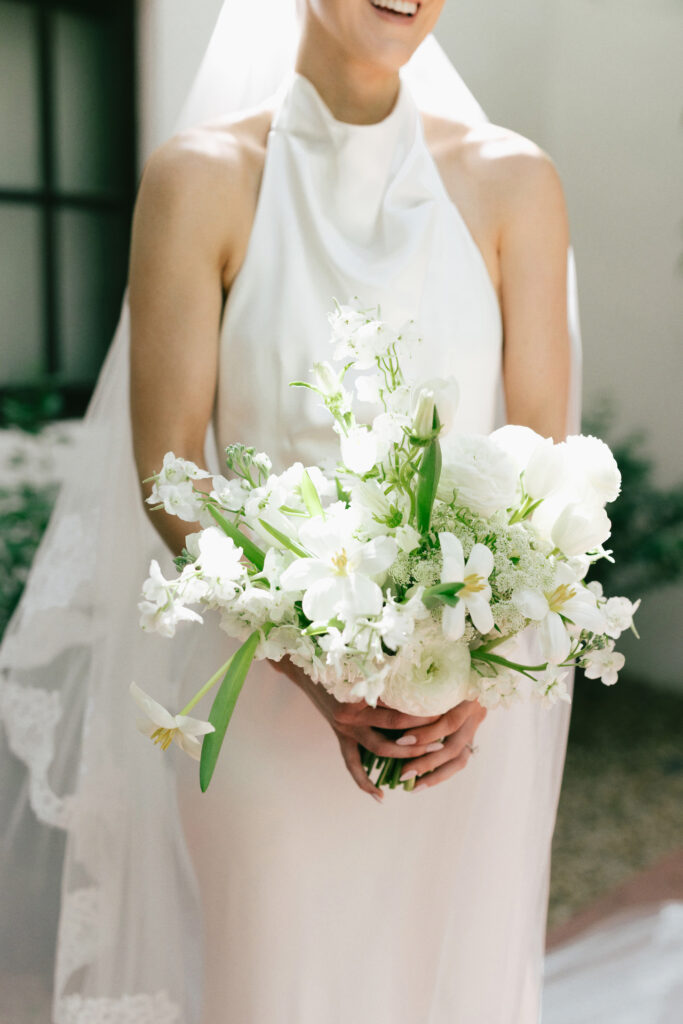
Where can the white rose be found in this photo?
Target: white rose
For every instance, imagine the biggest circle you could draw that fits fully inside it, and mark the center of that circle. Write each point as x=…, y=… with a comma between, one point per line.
x=483, y=476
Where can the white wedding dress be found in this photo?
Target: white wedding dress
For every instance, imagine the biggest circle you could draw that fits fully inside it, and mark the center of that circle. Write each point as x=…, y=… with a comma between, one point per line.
x=321, y=907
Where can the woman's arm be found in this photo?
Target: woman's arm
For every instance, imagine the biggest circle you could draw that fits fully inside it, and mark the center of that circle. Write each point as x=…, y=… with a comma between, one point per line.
x=182, y=241
x=534, y=241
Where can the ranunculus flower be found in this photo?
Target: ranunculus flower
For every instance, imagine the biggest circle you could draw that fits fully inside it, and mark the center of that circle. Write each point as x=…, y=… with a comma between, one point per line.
x=432, y=681
x=594, y=465
x=482, y=475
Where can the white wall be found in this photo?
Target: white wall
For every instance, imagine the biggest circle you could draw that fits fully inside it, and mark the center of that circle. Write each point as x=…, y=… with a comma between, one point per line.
x=172, y=37
x=597, y=84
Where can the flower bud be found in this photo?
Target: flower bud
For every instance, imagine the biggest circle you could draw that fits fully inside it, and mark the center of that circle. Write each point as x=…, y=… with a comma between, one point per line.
x=327, y=379
x=423, y=416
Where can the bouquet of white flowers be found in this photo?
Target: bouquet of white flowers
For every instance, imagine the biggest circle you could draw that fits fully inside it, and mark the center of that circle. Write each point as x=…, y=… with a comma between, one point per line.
x=399, y=574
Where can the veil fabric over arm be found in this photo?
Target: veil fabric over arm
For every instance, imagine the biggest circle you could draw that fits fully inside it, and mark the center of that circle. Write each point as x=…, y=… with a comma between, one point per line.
x=126, y=919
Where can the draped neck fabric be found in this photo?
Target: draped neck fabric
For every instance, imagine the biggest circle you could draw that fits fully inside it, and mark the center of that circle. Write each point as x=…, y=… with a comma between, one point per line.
x=347, y=210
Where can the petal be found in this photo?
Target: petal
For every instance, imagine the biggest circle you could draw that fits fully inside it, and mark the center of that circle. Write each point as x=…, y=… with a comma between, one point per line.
x=584, y=612
x=190, y=744
x=377, y=555
x=555, y=639
x=304, y=573
x=321, y=600
x=453, y=621
x=531, y=603
x=150, y=707
x=480, y=561
x=193, y=726
x=480, y=612
x=453, y=558
x=361, y=597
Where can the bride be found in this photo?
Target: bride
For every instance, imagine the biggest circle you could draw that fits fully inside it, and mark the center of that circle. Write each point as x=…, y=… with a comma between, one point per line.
x=284, y=895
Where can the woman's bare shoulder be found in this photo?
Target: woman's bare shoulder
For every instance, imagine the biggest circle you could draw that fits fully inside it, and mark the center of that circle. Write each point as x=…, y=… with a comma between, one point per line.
x=508, y=169
x=206, y=181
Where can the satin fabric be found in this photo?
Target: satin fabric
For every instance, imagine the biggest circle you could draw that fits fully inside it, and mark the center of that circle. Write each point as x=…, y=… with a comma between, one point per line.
x=320, y=906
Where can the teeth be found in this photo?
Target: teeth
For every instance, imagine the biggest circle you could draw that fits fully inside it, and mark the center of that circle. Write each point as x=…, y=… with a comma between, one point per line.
x=399, y=6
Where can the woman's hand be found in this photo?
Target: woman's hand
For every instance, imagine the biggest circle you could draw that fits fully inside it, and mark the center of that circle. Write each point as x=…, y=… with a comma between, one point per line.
x=436, y=745
x=457, y=729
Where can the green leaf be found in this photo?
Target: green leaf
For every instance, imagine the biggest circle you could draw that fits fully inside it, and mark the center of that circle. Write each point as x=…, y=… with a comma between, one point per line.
x=428, y=480
x=310, y=495
x=442, y=593
x=284, y=539
x=251, y=551
x=223, y=707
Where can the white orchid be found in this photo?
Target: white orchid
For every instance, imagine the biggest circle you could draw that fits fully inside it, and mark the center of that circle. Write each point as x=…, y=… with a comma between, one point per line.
x=605, y=664
x=568, y=599
x=339, y=577
x=475, y=596
x=551, y=686
x=164, y=728
x=162, y=607
x=619, y=612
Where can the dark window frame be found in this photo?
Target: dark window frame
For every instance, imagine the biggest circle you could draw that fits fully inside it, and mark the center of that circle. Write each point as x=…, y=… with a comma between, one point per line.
x=48, y=199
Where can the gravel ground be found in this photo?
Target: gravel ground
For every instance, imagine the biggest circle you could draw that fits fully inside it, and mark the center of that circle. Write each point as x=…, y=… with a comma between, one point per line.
x=621, y=806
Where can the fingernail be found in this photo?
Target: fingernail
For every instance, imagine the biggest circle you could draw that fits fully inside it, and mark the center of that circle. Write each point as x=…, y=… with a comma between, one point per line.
x=412, y=774
x=378, y=797
x=433, y=747
x=420, y=785
x=406, y=741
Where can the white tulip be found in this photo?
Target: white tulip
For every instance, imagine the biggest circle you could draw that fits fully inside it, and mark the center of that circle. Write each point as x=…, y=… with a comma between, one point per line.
x=567, y=599
x=446, y=394
x=475, y=596
x=580, y=528
x=164, y=728
x=423, y=414
x=545, y=470
x=359, y=450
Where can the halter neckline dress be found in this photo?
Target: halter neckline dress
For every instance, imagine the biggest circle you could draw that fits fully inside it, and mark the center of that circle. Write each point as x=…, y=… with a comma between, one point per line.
x=319, y=906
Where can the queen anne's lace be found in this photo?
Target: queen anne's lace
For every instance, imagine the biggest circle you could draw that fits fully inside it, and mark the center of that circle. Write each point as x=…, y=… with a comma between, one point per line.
x=138, y=1009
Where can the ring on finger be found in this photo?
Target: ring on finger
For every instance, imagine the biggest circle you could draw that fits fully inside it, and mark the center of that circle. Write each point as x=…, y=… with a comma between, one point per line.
x=472, y=749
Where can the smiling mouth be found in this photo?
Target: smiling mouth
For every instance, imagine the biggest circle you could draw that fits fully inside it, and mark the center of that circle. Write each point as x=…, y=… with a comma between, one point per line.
x=404, y=8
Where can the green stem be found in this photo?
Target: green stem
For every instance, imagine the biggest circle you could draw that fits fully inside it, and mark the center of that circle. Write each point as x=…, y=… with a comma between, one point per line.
x=496, y=659
x=206, y=687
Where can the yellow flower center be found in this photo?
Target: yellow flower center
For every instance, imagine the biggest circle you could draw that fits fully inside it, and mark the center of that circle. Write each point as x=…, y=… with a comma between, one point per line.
x=474, y=584
x=341, y=561
x=560, y=596
x=164, y=737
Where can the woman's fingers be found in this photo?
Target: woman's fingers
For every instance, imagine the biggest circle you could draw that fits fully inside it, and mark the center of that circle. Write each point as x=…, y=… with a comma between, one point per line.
x=378, y=718
x=446, y=771
x=351, y=755
x=447, y=724
x=455, y=745
x=381, y=745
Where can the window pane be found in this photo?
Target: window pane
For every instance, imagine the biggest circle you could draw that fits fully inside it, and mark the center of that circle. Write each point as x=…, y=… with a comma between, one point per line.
x=91, y=250
x=19, y=97
x=90, y=146
x=21, y=302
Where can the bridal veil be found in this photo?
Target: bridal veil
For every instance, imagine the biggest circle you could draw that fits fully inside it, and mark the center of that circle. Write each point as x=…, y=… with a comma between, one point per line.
x=125, y=920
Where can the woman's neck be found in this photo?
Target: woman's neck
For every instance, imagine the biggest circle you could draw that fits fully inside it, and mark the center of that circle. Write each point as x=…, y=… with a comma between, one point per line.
x=354, y=91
